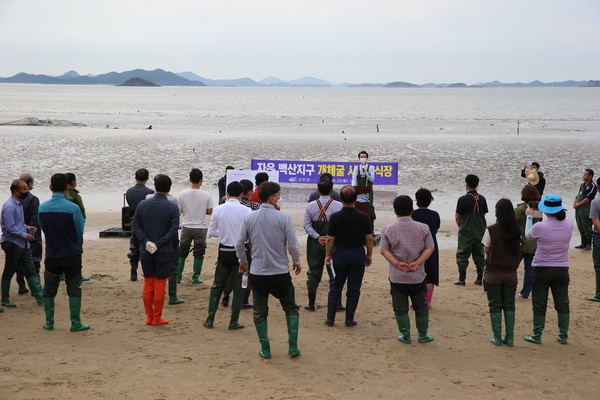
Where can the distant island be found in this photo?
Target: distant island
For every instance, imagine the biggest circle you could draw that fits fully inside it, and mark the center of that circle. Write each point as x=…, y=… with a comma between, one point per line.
x=157, y=76
x=160, y=77
x=138, y=82
x=463, y=85
x=401, y=84
x=592, y=84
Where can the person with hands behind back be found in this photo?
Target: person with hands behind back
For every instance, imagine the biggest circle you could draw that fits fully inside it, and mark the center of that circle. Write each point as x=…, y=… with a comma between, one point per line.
x=406, y=245
x=155, y=223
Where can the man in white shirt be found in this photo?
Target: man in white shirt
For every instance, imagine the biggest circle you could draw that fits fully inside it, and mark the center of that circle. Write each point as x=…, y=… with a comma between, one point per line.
x=225, y=224
x=195, y=205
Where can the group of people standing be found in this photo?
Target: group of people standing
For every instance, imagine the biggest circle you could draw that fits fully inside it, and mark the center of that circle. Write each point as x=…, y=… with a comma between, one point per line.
x=340, y=239
x=255, y=239
x=61, y=218
x=522, y=233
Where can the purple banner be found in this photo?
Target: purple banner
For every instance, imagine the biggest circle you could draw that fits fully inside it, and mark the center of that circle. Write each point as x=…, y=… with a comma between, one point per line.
x=297, y=171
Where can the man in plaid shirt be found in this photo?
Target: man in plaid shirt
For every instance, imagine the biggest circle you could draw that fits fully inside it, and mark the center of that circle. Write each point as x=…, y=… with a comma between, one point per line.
x=406, y=244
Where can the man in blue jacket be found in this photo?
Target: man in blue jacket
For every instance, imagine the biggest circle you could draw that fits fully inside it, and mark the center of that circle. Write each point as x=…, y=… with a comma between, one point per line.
x=62, y=223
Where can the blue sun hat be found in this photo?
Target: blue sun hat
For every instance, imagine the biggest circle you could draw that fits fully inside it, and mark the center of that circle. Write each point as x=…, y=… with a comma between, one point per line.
x=552, y=204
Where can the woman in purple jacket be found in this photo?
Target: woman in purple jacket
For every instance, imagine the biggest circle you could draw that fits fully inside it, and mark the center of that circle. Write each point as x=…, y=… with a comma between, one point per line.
x=550, y=266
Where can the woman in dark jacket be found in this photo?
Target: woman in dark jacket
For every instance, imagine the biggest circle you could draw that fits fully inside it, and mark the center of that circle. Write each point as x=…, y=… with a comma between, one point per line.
x=502, y=243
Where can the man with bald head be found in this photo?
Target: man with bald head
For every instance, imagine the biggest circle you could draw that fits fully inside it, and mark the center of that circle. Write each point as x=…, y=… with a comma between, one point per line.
x=16, y=236
x=349, y=233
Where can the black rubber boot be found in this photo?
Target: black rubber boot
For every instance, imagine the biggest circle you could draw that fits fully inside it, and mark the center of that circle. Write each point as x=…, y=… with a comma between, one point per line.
x=225, y=301
x=133, y=276
x=340, y=306
x=21, y=282
x=311, y=302
x=479, y=280
x=351, y=305
x=462, y=276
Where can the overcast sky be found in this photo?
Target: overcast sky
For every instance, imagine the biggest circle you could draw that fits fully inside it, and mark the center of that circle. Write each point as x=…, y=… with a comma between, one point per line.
x=354, y=41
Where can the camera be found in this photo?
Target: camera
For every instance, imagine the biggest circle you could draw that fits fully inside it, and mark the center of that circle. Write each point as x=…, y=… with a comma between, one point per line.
x=533, y=205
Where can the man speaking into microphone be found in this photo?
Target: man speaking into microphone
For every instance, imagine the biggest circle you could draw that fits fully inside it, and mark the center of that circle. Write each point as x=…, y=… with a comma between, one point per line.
x=364, y=175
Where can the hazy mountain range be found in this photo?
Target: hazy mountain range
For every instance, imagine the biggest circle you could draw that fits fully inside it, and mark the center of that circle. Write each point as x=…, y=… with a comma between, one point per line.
x=167, y=78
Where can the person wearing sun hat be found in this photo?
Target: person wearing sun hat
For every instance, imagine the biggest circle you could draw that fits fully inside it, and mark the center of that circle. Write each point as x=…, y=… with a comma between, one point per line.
x=550, y=265
x=534, y=176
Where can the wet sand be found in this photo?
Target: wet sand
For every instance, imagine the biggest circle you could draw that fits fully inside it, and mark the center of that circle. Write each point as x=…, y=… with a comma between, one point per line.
x=120, y=357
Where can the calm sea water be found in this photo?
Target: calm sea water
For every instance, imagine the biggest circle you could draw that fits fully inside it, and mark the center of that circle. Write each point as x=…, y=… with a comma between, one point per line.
x=438, y=136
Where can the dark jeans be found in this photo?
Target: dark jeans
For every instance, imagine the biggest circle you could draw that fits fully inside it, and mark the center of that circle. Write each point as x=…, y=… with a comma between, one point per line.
x=527, y=260
x=349, y=265
x=279, y=286
x=14, y=256
x=501, y=297
x=227, y=268
x=418, y=296
x=550, y=278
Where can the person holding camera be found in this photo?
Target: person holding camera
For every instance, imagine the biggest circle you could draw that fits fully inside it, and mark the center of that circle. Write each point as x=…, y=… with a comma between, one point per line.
x=540, y=182
x=550, y=265
x=530, y=197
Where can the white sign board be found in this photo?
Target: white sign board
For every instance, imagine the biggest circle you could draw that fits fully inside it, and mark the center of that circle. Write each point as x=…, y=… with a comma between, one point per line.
x=234, y=175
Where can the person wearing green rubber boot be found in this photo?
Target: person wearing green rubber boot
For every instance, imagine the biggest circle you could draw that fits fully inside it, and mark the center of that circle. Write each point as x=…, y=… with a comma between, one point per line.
x=225, y=224
x=406, y=245
x=74, y=196
x=195, y=205
x=470, y=219
x=595, y=217
x=502, y=243
x=272, y=235
x=550, y=266
x=62, y=223
x=316, y=222
x=16, y=237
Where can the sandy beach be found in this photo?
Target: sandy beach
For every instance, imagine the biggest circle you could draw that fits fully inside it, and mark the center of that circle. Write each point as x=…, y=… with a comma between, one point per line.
x=122, y=358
